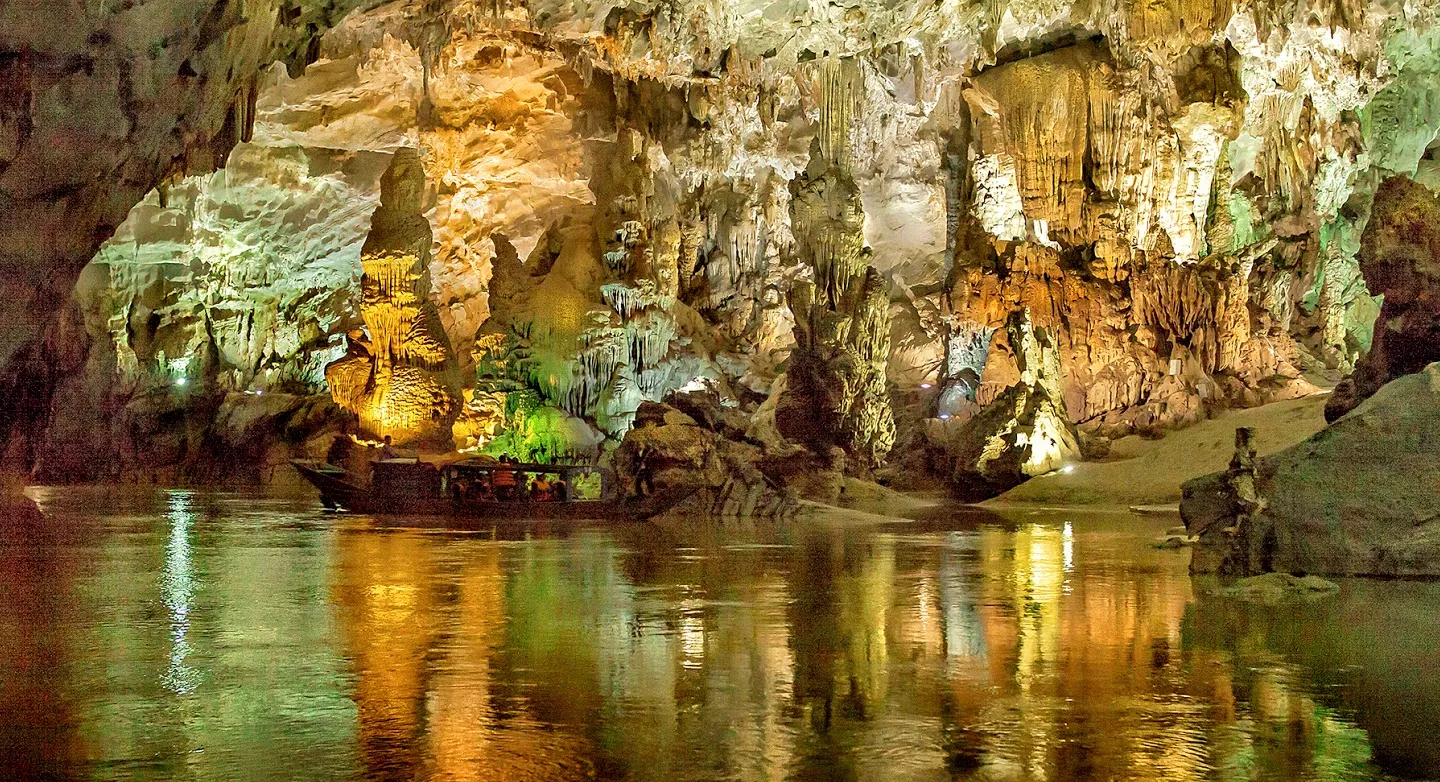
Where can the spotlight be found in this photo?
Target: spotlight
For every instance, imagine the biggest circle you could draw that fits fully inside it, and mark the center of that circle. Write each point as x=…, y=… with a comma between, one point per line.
x=180, y=381
x=925, y=385
x=1067, y=469
x=944, y=416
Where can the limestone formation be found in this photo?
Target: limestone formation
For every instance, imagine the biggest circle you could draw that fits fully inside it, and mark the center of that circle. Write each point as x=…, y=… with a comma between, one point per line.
x=100, y=103
x=235, y=285
x=836, y=392
x=668, y=449
x=398, y=374
x=1400, y=258
x=842, y=205
x=1025, y=432
x=1359, y=498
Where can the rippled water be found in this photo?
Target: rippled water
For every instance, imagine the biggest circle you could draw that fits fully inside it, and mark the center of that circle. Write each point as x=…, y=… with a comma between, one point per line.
x=214, y=636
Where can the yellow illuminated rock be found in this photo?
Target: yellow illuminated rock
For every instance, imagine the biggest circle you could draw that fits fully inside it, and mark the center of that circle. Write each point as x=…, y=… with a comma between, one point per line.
x=394, y=376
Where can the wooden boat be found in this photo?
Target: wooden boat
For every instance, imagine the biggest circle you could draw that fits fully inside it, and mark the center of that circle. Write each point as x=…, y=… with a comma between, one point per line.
x=483, y=489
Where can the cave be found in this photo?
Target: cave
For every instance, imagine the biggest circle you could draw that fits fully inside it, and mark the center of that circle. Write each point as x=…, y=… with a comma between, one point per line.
x=759, y=389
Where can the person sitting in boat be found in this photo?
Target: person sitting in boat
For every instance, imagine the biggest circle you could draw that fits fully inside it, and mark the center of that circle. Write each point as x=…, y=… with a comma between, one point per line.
x=504, y=484
x=340, y=449
x=540, y=489
x=387, y=451
x=561, y=490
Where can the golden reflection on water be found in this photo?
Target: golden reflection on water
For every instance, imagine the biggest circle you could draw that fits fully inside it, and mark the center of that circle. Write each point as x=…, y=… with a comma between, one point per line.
x=1047, y=647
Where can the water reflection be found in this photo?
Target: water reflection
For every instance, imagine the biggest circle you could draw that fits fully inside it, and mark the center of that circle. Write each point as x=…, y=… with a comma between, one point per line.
x=177, y=589
x=1040, y=647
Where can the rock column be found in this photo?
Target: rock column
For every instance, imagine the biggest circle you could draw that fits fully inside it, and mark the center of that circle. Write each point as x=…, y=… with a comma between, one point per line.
x=399, y=376
x=836, y=394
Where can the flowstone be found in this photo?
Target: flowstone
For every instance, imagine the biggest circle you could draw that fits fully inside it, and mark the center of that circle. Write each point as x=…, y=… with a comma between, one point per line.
x=1024, y=433
x=398, y=374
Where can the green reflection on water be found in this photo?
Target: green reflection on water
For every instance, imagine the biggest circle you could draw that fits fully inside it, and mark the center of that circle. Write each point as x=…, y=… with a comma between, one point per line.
x=207, y=636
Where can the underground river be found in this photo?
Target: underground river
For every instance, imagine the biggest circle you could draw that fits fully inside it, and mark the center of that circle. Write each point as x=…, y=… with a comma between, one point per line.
x=210, y=636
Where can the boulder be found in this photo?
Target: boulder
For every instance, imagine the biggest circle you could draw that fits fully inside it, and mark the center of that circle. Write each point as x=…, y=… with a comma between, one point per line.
x=677, y=452
x=1361, y=497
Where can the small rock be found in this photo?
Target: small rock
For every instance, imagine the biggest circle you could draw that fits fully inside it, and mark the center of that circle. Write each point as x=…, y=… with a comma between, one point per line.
x=1174, y=541
x=1274, y=588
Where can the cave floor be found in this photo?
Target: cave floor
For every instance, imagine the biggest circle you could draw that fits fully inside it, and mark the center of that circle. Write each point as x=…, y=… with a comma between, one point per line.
x=207, y=635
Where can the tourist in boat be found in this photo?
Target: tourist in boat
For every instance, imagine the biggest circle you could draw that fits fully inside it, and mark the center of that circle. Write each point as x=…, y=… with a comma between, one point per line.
x=540, y=490
x=504, y=483
x=387, y=451
x=340, y=449
x=561, y=490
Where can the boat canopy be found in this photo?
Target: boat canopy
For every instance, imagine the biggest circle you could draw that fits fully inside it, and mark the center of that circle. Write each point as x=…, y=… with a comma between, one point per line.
x=479, y=465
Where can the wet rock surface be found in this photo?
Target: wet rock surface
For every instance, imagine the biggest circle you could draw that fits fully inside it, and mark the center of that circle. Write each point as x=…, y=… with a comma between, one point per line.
x=1358, y=498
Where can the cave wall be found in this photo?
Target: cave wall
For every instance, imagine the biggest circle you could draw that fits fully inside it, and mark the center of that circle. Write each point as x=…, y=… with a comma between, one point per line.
x=99, y=103
x=618, y=204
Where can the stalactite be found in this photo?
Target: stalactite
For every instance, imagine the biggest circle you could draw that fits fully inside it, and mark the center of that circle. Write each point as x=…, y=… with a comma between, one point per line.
x=838, y=82
x=1040, y=99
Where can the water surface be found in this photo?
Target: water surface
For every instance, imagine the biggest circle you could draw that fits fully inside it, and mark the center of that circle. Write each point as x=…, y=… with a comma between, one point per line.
x=209, y=636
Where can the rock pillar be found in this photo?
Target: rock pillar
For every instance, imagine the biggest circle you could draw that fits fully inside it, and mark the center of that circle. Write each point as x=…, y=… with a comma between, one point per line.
x=399, y=374
x=836, y=392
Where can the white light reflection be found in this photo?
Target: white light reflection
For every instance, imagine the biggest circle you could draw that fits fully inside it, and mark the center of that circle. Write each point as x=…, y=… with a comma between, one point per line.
x=177, y=589
x=964, y=629
x=692, y=636
x=1067, y=543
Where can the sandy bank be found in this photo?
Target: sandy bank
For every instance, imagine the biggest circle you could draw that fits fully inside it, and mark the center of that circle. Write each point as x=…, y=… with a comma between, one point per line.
x=1150, y=472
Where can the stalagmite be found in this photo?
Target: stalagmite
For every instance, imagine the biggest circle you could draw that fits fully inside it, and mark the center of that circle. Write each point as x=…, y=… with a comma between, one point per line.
x=836, y=393
x=1023, y=432
x=407, y=392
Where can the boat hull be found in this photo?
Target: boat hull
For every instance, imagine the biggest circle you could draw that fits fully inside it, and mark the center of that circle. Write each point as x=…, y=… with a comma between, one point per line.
x=338, y=491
